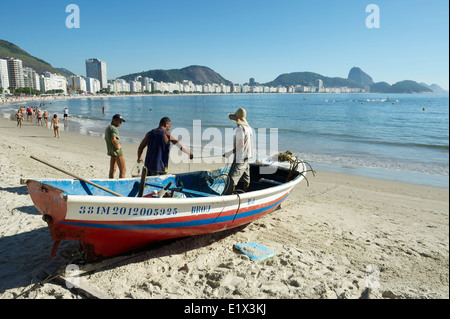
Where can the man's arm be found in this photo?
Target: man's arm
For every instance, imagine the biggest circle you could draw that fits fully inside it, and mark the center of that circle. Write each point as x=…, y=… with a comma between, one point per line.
x=141, y=148
x=177, y=143
x=115, y=142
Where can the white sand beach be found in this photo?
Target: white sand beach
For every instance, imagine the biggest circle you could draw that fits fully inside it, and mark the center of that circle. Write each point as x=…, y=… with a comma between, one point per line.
x=342, y=237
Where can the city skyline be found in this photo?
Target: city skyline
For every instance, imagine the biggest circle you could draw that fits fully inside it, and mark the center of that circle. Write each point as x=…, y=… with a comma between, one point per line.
x=242, y=40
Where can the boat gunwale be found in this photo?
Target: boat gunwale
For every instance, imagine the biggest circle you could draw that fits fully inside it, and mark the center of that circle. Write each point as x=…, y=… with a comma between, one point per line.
x=163, y=201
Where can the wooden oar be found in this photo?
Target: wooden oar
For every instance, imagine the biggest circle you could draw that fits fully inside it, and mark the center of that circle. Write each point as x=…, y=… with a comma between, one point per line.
x=142, y=185
x=74, y=176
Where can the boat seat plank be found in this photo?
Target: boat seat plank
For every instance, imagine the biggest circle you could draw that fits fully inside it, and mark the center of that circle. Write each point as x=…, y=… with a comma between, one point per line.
x=269, y=181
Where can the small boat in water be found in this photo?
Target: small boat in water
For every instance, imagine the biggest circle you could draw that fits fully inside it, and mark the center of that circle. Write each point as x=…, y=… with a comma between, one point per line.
x=113, y=216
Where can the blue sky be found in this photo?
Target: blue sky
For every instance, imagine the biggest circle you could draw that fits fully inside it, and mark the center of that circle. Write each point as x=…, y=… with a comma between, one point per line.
x=238, y=39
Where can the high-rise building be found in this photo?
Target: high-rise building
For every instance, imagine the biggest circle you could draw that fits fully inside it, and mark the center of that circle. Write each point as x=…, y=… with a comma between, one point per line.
x=15, y=73
x=319, y=85
x=135, y=86
x=31, y=79
x=4, y=78
x=97, y=69
x=50, y=81
x=146, y=83
x=77, y=83
x=93, y=85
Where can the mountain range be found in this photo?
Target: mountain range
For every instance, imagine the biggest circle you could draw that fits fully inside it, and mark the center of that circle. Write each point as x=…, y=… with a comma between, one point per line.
x=202, y=74
x=8, y=49
x=407, y=86
x=195, y=73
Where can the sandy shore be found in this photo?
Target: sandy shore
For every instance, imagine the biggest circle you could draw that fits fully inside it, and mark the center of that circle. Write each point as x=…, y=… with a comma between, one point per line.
x=334, y=239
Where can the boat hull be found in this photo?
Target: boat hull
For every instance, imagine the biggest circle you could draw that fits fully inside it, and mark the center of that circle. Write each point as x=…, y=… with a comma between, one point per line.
x=107, y=225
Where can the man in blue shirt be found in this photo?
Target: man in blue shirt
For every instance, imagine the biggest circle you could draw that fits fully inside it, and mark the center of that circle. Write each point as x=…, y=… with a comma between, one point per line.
x=158, y=142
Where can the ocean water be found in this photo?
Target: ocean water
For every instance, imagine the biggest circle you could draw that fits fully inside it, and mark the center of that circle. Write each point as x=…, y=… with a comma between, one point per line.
x=403, y=137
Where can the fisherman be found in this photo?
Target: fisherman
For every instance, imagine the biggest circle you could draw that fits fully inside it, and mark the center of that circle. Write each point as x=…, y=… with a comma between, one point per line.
x=240, y=169
x=158, y=142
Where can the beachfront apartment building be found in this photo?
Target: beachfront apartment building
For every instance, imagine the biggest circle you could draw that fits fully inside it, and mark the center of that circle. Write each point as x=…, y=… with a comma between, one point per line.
x=319, y=86
x=77, y=83
x=119, y=85
x=146, y=83
x=4, y=78
x=31, y=79
x=135, y=86
x=114, y=86
x=236, y=88
x=50, y=81
x=93, y=85
x=15, y=73
x=96, y=69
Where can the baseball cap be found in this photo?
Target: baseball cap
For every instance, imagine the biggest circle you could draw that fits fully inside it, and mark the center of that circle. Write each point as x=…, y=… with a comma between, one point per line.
x=118, y=117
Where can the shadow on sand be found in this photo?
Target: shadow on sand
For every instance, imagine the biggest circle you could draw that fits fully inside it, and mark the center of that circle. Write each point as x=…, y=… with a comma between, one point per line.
x=25, y=256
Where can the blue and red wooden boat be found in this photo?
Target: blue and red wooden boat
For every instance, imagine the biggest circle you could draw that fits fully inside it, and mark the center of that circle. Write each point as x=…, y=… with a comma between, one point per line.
x=108, y=225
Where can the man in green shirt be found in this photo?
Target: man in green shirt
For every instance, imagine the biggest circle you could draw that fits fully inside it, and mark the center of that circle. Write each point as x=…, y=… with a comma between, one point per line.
x=114, y=147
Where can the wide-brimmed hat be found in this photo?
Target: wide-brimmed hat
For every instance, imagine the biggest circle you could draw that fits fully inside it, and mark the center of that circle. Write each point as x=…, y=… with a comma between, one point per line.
x=118, y=117
x=239, y=117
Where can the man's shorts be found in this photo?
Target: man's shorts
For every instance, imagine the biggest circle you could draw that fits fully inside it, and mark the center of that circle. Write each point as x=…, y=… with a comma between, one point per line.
x=239, y=172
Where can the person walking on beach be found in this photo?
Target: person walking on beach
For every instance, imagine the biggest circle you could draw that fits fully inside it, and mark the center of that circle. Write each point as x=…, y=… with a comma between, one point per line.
x=66, y=114
x=114, y=147
x=19, y=117
x=158, y=142
x=240, y=169
x=46, y=116
x=29, y=114
x=55, y=124
x=39, y=118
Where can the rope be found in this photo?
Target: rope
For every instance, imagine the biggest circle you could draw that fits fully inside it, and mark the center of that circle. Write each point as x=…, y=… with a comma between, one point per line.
x=308, y=170
x=40, y=284
x=212, y=179
x=239, y=206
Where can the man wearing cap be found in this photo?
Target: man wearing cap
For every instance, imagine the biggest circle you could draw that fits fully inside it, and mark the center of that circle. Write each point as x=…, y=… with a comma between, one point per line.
x=114, y=147
x=158, y=142
x=240, y=169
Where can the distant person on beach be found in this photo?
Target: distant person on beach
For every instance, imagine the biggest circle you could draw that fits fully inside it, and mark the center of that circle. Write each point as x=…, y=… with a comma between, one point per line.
x=19, y=117
x=114, y=147
x=55, y=125
x=66, y=114
x=240, y=169
x=39, y=118
x=158, y=142
x=46, y=116
x=29, y=113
